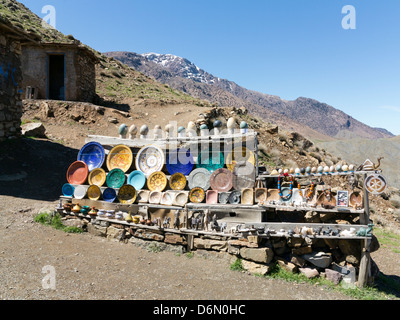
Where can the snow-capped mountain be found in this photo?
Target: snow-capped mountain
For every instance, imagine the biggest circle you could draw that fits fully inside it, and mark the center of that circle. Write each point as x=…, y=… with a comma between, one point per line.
x=181, y=67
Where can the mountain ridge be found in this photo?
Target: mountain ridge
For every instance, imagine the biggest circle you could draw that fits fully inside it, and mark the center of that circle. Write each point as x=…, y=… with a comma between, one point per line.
x=183, y=75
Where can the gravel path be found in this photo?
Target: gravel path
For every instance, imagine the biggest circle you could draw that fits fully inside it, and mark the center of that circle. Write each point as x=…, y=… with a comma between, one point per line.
x=92, y=268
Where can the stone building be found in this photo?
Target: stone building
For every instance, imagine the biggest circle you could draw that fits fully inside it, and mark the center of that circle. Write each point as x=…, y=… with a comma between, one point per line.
x=11, y=39
x=59, y=71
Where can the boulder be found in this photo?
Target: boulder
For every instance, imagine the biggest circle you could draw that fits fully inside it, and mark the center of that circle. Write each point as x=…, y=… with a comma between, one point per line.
x=333, y=276
x=36, y=130
x=97, y=230
x=148, y=235
x=262, y=255
x=320, y=259
x=174, y=239
x=309, y=273
x=255, y=268
x=288, y=266
x=209, y=244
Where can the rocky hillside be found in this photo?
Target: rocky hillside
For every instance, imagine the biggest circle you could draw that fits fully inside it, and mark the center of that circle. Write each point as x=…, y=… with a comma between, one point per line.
x=183, y=75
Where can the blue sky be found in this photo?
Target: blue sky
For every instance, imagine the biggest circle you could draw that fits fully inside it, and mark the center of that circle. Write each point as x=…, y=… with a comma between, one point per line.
x=287, y=48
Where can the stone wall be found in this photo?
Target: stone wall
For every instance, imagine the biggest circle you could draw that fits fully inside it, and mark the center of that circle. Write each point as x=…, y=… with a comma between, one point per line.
x=80, y=81
x=10, y=81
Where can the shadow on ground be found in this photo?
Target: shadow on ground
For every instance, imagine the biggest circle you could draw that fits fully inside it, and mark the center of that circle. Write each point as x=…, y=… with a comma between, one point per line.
x=389, y=284
x=34, y=169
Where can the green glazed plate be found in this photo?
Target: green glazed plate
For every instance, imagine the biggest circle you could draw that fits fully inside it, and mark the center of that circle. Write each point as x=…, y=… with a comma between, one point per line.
x=116, y=179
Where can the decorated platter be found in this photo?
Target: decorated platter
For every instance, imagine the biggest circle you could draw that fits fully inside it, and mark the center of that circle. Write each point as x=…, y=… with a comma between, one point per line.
x=157, y=181
x=197, y=195
x=180, y=161
x=244, y=176
x=240, y=155
x=150, y=159
x=356, y=200
x=199, y=178
x=116, y=178
x=109, y=195
x=235, y=197
x=77, y=173
x=137, y=179
x=221, y=180
x=120, y=157
x=94, y=192
x=127, y=194
x=97, y=177
x=375, y=184
x=93, y=155
x=211, y=160
x=68, y=190
x=177, y=181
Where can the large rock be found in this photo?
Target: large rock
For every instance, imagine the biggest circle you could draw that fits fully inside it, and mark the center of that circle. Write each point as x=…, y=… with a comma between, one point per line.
x=288, y=266
x=96, y=230
x=148, y=235
x=309, y=273
x=262, y=255
x=36, y=130
x=175, y=239
x=320, y=259
x=333, y=276
x=209, y=244
x=255, y=268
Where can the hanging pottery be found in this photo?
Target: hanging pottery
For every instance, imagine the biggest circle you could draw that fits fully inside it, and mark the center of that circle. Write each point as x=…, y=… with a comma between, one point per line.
x=239, y=155
x=177, y=182
x=77, y=173
x=180, y=161
x=116, y=178
x=375, y=184
x=210, y=160
x=94, y=193
x=97, y=177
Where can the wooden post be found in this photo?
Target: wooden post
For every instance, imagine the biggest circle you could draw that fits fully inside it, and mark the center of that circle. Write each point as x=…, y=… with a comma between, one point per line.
x=365, y=263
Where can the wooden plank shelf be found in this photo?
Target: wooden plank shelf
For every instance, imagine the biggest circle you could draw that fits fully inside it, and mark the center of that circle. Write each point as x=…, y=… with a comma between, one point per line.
x=318, y=175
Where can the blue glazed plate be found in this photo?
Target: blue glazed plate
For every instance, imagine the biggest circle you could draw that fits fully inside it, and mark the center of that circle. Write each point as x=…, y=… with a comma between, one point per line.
x=68, y=190
x=109, y=195
x=180, y=161
x=93, y=155
x=137, y=179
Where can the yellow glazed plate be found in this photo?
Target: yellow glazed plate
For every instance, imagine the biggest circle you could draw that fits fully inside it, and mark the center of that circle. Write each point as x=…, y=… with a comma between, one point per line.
x=157, y=181
x=120, y=157
x=127, y=194
x=97, y=177
x=94, y=193
x=177, y=182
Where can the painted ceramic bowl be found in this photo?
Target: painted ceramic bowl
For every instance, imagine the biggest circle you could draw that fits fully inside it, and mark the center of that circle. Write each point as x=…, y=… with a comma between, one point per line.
x=80, y=192
x=120, y=157
x=93, y=155
x=68, y=190
x=180, y=161
x=109, y=195
x=210, y=160
x=77, y=173
x=241, y=154
x=150, y=159
x=94, y=193
x=199, y=178
x=157, y=181
x=116, y=178
x=177, y=182
x=127, y=194
x=97, y=177
x=137, y=179
x=221, y=180
x=197, y=195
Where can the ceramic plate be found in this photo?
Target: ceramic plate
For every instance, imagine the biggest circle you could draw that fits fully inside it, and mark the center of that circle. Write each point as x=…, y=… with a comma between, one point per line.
x=199, y=178
x=177, y=182
x=120, y=157
x=77, y=173
x=93, y=155
x=211, y=160
x=244, y=176
x=109, y=195
x=235, y=197
x=127, y=194
x=180, y=161
x=68, y=190
x=238, y=155
x=197, y=195
x=80, y=192
x=97, y=177
x=221, y=180
x=150, y=159
x=157, y=181
x=116, y=179
x=137, y=179
x=94, y=193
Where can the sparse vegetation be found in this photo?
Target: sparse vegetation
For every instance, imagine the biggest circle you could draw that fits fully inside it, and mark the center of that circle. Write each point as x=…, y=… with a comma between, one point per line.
x=54, y=220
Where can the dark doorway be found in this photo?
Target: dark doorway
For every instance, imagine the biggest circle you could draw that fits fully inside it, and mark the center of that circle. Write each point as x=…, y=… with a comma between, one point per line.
x=56, y=77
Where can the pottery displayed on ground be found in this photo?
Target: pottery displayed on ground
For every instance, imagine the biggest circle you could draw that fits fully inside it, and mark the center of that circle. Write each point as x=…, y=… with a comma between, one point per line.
x=127, y=194
x=221, y=180
x=157, y=181
x=150, y=159
x=94, y=193
x=93, y=155
x=97, y=177
x=77, y=173
x=120, y=157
